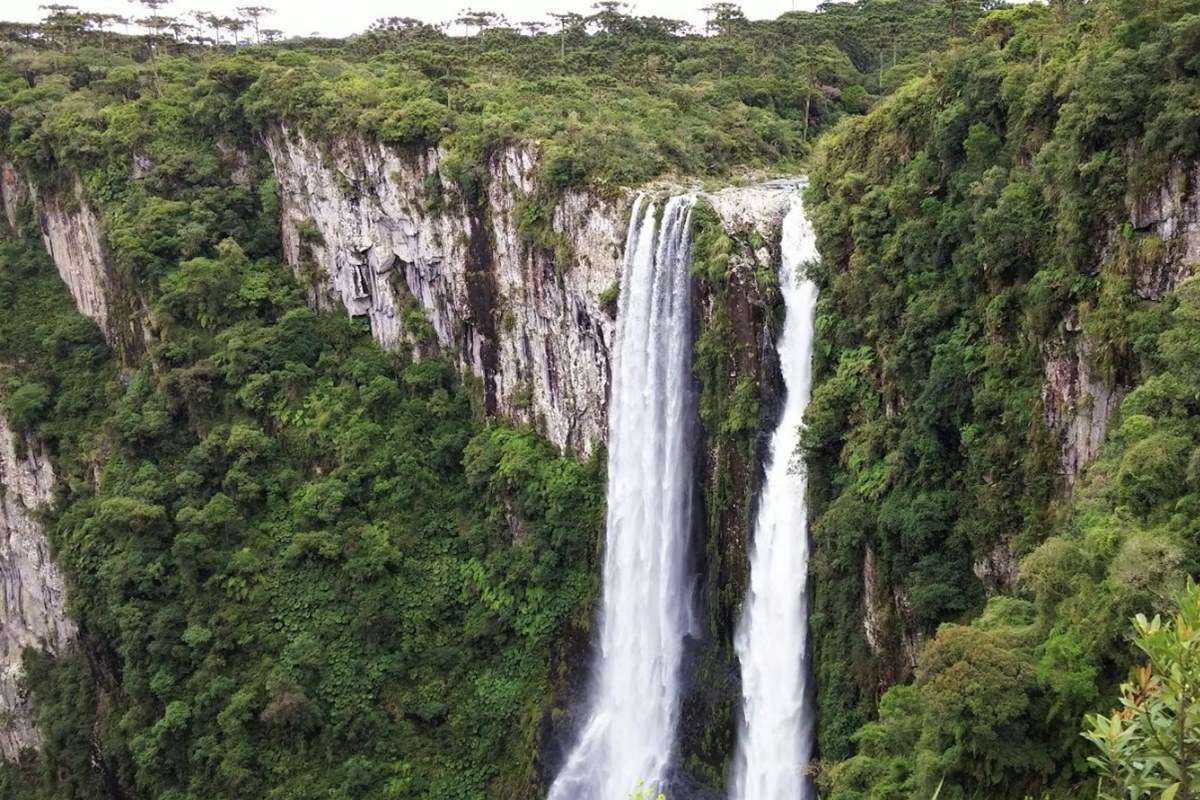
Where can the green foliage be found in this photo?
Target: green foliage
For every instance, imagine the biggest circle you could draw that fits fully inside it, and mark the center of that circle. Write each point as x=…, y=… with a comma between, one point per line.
x=958, y=223
x=635, y=98
x=640, y=794
x=1148, y=748
x=303, y=567
x=26, y=405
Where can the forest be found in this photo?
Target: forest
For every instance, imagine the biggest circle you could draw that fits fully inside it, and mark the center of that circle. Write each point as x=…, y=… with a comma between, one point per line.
x=302, y=565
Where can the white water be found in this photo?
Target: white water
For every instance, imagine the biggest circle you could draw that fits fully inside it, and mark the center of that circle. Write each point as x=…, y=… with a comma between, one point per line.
x=629, y=735
x=776, y=736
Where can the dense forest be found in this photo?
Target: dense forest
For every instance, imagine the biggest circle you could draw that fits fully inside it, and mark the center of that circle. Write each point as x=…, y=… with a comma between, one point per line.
x=303, y=565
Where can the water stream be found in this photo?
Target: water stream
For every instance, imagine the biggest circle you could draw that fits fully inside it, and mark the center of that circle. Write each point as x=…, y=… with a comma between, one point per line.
x=777, y=730
x=629, y=735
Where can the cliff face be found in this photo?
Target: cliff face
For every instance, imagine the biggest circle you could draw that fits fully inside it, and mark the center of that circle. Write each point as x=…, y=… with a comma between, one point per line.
x=73, y=236
x=1078, y=400
x=32, y=602
x=372, y=230
x=520, y=291
x=1171, y=212
x=359, y=221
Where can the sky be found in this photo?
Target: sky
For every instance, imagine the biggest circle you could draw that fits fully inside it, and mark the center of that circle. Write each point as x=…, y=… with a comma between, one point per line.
x=343, y=17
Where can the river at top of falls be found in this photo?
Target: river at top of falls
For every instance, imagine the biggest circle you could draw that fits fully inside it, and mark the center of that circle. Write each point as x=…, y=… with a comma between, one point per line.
x=628, y=738
x=776, y=736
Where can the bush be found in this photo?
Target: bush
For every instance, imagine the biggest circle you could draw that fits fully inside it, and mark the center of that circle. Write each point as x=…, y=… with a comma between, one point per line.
x=26, y=406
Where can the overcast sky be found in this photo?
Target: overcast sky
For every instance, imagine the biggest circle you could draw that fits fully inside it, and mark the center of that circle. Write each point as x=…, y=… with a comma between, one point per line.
x=343, y=17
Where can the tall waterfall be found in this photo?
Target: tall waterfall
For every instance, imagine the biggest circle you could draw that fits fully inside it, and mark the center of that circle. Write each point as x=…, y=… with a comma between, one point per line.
x=771, y=642
x=629, y=735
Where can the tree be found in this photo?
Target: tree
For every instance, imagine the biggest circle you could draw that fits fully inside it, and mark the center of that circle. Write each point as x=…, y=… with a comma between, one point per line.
x=1150, y=746
x=155, y=23
x=255, y=15
x=565, y=21
x=64, y=24
x=610, y=16
x=211, y=21
x=235, y=26
x=479, y=20
x=27, y=405
x=723, y=18
x=102, y=21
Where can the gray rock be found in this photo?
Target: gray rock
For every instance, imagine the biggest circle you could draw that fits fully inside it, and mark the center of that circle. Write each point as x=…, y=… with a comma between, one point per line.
x=32, y=601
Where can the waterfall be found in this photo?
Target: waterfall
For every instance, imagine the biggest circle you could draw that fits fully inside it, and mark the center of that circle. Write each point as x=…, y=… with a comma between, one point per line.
x=629, y=735
x=771, y=642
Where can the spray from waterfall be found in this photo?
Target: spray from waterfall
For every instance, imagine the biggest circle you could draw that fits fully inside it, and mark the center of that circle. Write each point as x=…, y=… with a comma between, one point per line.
x=629, y=734
x=777, y=727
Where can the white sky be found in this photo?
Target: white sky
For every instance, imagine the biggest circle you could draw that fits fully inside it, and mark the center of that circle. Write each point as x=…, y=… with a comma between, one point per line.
x=343, y=17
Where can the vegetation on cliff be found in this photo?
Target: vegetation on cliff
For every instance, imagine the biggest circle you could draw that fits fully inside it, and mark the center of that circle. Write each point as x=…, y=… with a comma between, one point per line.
x=612, y=99
x=971, y=224
x=301, y=566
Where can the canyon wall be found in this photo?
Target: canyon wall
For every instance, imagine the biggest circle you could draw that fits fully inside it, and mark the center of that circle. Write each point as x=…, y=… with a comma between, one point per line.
x=32, y=596
x=521, y=289
x=71, y=231
x=1158, y=245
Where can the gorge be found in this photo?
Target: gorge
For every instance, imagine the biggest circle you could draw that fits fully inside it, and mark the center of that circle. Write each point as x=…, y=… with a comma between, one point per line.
x=438, y=416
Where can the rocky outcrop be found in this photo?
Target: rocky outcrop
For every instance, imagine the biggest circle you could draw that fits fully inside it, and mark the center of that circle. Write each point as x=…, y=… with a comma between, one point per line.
x=362, y=222
x=14, y=193
x=1077, y=403
x=32, y=602
x=1171, y=212
x=888, y=624
x=516, y=287
x=998, y=570
x=1158, y=246
x=72, y=234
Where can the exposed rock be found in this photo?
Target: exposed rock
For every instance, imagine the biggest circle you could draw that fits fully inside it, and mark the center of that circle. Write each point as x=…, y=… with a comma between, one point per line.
x=1172, y=213
x=238, y=162
x=1077, y=403
x=873, y=604
x=999, y=569
x=373, y=230
x=888, y=624
x=534, y=332
x=141, y=167
x=71, y=231
x=14, y=192
x=910, y=637
x=759, y=207
x=32, y=604
x=74, y=239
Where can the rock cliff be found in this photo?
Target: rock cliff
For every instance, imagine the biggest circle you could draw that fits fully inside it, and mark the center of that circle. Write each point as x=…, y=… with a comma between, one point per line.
x=1159, y=246
x=73, y=236
x=32, y=602
x=372, y=229
x=361, y=221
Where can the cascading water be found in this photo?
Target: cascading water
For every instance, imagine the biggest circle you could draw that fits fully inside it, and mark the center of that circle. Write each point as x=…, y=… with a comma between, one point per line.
x=629, y=735
x=776, y=735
